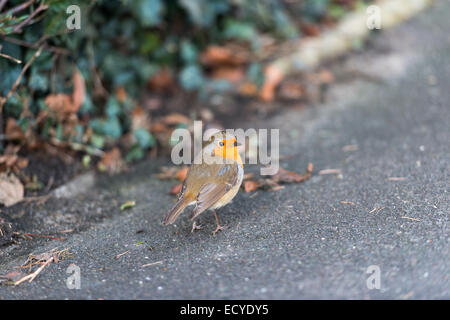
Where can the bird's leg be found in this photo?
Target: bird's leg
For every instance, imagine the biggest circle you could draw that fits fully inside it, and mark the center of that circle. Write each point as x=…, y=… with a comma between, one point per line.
x=196, y=226
x=219, y=227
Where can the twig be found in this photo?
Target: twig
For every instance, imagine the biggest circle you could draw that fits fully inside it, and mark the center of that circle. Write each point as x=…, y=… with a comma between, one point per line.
x=121, y=254
x=19, y=78
x=22, y=43
x=17, y=29
x=396, y=178
x=9, y=57
x=2, y=4
x=17, y=8
x=33, y=275
x=151, y=264
x=38, y=199
x=330, y=171
x=409, y=218
x=43, y=236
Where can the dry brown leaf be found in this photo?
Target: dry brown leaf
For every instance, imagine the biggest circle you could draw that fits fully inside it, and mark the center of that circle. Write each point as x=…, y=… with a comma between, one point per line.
x=13, y=130
x=175, y=118
x=60, y=103
x=285, y=176
x=219, y=56
x=158, y=128
x=325, y=76
x=248, y=89
x=231, y=74
x=273, y=77
x=140, y=119
x=65, y=105
x=112, y=162
x=291, y=90
x=311, y=30
x=11, y=189
x=251, y=185
x=11, y=277
x=176, y=189
x=167, y=173
x=182, y=173
x=161, y=81
x=79, y=91
x=121, y=94
x=12, y=162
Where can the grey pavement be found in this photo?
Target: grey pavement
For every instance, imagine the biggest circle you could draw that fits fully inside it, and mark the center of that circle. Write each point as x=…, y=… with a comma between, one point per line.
x=310, y=240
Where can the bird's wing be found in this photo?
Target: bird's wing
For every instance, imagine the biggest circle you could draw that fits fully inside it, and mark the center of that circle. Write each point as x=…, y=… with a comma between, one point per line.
x=210, y=193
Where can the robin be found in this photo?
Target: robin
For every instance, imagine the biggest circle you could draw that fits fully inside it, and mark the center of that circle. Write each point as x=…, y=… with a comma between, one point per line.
x=211, y=184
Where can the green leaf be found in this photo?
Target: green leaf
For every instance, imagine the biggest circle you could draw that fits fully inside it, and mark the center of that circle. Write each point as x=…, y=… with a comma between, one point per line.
x=148, y=11
x=112, y=107
x=38, y=81
x=97, y=141
x=191, y=77
x=144, y=139
x=127, y=205
x=188, y=51
x=136, y=153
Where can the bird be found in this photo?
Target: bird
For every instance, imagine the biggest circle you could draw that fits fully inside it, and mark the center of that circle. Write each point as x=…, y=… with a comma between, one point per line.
x=211, y=184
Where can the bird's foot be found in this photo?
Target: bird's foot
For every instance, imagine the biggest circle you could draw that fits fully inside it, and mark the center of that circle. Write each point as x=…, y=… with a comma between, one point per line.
x=196, y=226
x=219, y=228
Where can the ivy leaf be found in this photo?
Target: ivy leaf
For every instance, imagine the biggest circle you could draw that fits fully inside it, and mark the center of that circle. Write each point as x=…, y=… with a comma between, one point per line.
x=144, y=139
x=191, y=77
x=148, y=11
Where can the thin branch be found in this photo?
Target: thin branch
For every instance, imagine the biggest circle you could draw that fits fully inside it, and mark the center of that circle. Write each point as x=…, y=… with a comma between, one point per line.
x=2, y=4
x=17, y=29
x=19, y=78
x=36, y=45
x=18, y=8
x=10, y=58
x=33, y=275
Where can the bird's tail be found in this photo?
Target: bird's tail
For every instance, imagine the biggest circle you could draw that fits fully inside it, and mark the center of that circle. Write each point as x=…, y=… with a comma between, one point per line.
x=176, y=211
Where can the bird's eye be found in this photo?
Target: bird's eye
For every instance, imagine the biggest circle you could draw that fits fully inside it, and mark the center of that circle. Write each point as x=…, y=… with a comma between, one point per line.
x=235, y=144
x=221, y=143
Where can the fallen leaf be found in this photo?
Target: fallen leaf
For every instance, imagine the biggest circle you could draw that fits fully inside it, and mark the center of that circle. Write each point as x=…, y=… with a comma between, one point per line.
x=140, y=119
x=291, y=90
x=11, y=189
x=60, y=103
x=65, y=105
x=231, y=74
x=251, y=185
x=121, y=94
x=325, y=76
x=272, y=77
x=158, y=128
x=248, y=89
x=175, y=118
x=311, y=30
x=161, y=81
x=219, y=56
x=127, y=205
x=13, y=130
x=176, y=189
x=182, y=173
x=79, y=91
x=112, y=162
x=285, y=176
x=11, y=277
x=167, y=173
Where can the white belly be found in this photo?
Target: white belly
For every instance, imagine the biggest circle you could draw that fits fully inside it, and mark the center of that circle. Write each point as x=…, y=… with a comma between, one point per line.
x=233, y=191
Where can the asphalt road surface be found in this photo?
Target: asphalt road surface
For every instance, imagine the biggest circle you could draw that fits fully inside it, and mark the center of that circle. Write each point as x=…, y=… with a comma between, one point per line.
x=388, y=207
